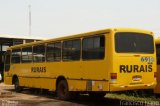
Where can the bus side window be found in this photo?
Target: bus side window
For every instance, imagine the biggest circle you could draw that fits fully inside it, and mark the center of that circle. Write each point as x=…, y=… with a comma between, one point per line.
x=93, y=48
x=26, y=55
x=158, y=53
x=71, y=50
x=16, y=56
x=7, y=61
x=39, y=53
x=53, y=51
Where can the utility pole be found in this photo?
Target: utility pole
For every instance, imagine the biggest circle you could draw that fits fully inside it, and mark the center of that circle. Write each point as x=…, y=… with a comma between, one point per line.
x=29, y=24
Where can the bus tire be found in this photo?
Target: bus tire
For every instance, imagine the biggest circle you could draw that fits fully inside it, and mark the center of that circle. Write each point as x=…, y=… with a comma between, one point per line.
x=16, y=85
x=63, y=91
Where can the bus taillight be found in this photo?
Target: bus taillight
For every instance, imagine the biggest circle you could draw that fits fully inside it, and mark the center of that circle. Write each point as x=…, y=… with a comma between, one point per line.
x=113, y=76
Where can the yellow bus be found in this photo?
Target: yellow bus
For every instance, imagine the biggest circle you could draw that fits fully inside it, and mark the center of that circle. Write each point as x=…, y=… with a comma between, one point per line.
x=115, y=59
x=157, y=43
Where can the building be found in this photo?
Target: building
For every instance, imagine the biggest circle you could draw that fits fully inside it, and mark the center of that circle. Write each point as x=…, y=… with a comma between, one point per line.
x=10, y=40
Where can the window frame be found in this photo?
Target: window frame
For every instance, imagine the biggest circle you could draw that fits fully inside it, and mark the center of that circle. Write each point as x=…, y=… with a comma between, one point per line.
x=27, y=54
x=16, y=56
x=133, y=52
x=80, y=48
x=53, y=60
x=44, y=55
x=94, y=36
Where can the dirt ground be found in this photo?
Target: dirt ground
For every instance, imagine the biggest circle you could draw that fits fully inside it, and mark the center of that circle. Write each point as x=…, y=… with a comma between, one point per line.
x=34, y=97
x=8, y=97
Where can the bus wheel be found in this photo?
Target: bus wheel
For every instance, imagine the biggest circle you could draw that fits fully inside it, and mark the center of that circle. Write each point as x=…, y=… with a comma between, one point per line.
x=62, y=90
x=16, y=86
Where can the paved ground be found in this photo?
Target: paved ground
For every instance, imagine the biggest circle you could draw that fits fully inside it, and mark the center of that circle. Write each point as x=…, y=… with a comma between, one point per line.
x=27, y=98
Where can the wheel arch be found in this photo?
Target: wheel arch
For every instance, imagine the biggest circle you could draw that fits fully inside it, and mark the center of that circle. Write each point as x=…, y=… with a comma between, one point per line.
x=59, y=78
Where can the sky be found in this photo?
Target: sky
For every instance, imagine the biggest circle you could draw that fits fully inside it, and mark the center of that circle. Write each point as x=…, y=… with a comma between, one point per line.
x=54, y=18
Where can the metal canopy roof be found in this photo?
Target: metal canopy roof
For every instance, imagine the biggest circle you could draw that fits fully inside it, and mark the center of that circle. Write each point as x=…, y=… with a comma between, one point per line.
x=12, y=39
x=20, y=37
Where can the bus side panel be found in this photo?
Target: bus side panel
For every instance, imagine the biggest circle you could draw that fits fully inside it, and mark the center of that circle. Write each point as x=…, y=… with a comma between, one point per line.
x=43, y=83
x=8, y=80
x=81, y=85
x=100, y=86
x=77, y=85
x=37, y=78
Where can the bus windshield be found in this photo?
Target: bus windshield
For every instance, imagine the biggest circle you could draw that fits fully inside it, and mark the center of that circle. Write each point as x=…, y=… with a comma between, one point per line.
x=129, y=42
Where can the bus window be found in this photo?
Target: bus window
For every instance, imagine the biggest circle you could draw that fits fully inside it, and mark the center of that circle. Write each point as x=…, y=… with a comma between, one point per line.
x=39, y=53
x=26, y=55
x=53, y=52
x=128, y=42
x=16, y=55
x=7, y=61
x=71, y=49
x=93, y=48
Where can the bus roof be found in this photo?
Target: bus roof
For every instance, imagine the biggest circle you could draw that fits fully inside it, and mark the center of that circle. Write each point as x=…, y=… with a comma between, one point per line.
x=86, y=34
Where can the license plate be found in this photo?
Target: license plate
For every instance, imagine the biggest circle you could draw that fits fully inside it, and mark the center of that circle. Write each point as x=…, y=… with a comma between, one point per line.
x=136, y=78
